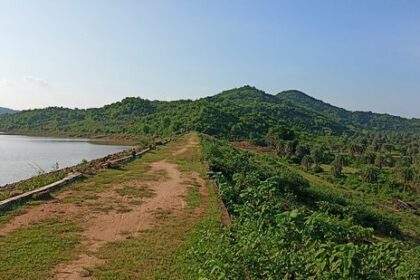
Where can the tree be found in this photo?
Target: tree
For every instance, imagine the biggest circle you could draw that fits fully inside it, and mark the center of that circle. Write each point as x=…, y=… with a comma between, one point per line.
x=278, y=138
x=316, y=155
x=306, y=162
x=380, y=161
x=302, y=151
x=356, y=149
x=290, y=147
x=337, y=167
x=369, y=158
x=387, y=147
x=406, y=175
x=370, y=174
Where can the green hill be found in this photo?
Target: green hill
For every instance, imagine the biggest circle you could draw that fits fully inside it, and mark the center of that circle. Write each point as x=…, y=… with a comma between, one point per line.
x=237, y=114
x=6, y=111
x=358, y=120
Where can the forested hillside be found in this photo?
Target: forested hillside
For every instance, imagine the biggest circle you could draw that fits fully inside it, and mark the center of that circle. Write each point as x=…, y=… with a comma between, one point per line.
x=244, y=113
x=6, y=111
x=357, y=120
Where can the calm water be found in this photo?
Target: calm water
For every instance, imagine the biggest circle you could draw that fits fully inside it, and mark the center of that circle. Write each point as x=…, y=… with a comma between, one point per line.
x=20, y=155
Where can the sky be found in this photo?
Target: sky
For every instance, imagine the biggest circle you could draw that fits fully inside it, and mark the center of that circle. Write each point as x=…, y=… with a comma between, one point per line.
x=360, y=55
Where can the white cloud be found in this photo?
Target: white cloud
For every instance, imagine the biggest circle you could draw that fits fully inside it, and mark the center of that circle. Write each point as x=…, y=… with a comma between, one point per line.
x=35, y=81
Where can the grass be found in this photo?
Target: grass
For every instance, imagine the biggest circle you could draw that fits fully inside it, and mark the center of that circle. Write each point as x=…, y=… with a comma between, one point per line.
x=29, y=253
x=193, y=197
x=33, y=183
x=135, y=191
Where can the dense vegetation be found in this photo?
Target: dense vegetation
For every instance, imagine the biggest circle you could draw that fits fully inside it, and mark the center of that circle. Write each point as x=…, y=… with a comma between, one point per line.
x=283, y=228
x=238, y=114
x=6, y=111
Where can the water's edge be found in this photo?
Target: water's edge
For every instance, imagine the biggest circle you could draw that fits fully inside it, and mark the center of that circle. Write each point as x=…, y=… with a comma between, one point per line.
x=43, y=152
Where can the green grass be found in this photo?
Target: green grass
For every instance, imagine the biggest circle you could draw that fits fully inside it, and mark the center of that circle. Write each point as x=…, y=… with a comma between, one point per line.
x=193, y=197
x=135, y=191
x=29, y=253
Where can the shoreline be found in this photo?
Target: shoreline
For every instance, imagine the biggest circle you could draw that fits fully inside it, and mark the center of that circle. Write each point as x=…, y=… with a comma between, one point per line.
x=113, y=139
x=88, y=168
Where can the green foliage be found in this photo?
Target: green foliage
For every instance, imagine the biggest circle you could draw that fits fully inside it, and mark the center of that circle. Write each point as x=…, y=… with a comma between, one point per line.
x=278, y=232
x=361, y=120
x=337, y=166
x=370, y=174
x=6, y=111
x=29, y=253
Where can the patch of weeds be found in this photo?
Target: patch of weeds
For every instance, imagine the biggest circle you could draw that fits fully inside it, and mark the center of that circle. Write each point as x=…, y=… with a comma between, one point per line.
x=193, y=197
x=135, y=202
x=101, y=208
x=162, y=214
x=135, y=191
x=160, y=175
x=7, y=215
x=29, y=253
x=79, y=198
x=121, y=209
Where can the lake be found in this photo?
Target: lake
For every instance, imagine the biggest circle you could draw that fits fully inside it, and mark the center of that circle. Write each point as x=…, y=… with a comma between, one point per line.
x=22, y=156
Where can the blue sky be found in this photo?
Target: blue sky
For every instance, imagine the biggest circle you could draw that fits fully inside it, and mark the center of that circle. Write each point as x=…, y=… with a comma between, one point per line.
x=361, y=55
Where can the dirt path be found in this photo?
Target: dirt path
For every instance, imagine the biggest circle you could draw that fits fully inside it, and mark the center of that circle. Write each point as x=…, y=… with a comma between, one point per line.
x=118, y=211
x=113, y=226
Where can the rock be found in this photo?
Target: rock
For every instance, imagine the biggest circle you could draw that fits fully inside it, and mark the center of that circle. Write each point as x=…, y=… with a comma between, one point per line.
x=85, y=273
x=42, y=195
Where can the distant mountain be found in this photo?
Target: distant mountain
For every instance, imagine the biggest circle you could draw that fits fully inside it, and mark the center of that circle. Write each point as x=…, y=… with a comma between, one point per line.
x=6, y=111
x=236, y=114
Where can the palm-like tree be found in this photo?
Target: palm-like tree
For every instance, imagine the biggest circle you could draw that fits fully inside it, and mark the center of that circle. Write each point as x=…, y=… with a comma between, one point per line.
x=406, y=175
x=306, y=162
x=370, y=174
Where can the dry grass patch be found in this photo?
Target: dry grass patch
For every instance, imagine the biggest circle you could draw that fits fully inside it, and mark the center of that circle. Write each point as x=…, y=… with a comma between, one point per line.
x=135, y=191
